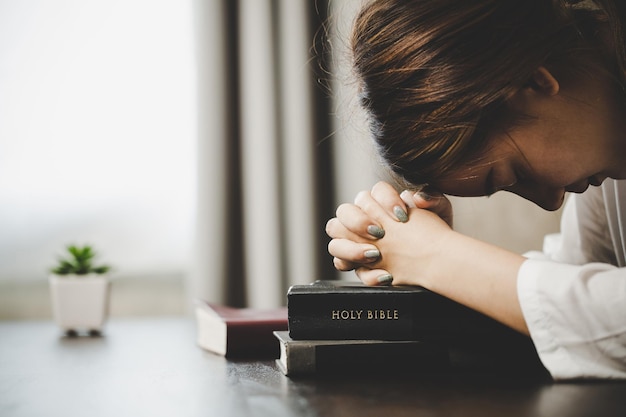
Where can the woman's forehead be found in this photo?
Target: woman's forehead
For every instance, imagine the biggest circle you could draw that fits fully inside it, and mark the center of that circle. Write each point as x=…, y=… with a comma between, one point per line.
x=472, y=178
x=470, y=186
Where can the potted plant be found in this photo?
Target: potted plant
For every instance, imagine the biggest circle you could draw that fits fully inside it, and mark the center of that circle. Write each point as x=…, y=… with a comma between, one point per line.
x=80, y=291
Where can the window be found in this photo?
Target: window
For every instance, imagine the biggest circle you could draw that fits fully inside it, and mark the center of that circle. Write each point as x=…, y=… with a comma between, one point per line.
x=97, y=135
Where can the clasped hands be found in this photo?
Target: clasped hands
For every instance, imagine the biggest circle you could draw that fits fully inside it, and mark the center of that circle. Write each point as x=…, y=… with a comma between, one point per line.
x=387, y=237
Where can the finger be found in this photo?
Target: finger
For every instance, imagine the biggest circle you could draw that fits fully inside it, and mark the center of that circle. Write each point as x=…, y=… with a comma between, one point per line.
x=342, y=265
x=372, y=208
x=390, y=200
x=407, y=197
x=336, y=230
x=350, y=251
x=374, y=277
x=358, y=222
x=430, y=200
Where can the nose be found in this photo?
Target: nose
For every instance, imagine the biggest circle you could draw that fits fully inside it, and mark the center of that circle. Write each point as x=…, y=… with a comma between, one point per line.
x=548, y=198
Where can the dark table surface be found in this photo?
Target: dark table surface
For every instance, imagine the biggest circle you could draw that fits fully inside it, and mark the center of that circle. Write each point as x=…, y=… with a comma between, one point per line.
x=152, y=367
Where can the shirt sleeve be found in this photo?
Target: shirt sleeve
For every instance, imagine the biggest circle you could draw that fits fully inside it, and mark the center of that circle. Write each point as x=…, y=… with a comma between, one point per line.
x=576, y=315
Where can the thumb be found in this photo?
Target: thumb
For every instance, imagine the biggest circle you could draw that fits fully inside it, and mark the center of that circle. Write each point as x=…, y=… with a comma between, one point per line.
x=429, y=200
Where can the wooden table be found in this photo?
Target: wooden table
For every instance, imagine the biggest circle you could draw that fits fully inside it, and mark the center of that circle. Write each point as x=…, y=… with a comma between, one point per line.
x=152, y=367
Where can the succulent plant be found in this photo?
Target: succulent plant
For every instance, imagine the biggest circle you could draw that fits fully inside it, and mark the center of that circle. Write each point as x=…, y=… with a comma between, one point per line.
x=79, y=262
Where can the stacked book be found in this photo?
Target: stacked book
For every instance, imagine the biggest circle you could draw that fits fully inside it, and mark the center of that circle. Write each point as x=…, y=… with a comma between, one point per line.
x=239, y=332
x=339, y=326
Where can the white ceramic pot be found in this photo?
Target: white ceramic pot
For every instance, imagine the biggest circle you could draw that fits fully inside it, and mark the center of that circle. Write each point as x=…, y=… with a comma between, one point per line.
x=80, y=302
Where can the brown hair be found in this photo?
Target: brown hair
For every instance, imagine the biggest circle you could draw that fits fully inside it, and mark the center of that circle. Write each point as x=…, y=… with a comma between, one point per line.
x=435, y=75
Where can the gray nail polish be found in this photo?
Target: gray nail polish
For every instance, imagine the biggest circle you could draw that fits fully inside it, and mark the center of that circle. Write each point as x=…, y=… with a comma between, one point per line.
x=371, y=253
x=375, y=231
x=425, y=196
x=401, y=214
x=386, y=279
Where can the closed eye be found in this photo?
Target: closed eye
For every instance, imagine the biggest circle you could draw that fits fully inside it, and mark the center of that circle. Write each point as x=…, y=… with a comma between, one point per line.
x=493, y=185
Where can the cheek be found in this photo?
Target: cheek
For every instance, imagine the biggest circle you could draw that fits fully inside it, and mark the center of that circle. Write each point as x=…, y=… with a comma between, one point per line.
x=562, y=177
x=557, y=169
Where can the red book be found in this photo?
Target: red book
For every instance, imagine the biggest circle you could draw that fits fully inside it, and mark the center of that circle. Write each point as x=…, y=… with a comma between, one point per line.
x=239, y=332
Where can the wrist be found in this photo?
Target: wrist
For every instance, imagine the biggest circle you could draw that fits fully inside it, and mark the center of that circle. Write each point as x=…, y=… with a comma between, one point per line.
x=479, y=275
x=443, y=263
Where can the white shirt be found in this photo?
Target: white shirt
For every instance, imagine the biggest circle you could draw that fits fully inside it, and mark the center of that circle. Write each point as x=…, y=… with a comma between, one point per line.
x=574, y=300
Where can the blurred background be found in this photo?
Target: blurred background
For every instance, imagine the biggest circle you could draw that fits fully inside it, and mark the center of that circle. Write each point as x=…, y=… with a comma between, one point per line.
x=198, y=145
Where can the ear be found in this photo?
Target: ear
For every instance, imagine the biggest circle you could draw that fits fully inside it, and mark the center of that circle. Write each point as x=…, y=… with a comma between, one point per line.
x=544, y=82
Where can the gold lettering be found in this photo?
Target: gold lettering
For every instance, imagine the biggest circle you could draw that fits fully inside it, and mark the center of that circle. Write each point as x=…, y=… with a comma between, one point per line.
x=383, y=315
x=369, y=314
x=346, y=314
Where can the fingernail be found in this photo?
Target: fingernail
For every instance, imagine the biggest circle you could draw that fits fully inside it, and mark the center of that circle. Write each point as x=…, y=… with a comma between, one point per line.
x=371, y=253
x=401, y=214
x=375, y=231
x=386, y=279
x=407, y=197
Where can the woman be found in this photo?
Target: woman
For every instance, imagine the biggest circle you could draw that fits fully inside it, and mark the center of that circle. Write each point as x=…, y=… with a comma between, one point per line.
x=471, y=97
